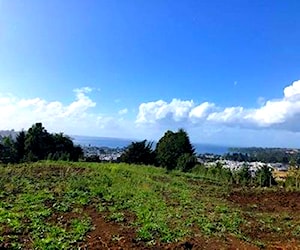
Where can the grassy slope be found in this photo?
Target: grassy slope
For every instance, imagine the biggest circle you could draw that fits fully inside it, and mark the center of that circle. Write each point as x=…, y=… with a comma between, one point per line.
x=48, y=206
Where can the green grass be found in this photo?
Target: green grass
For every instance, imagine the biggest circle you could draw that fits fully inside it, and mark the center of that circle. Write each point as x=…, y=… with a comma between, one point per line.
x=37, y=201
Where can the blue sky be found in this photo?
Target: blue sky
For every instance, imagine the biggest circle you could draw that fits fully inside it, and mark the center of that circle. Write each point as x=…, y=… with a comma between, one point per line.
x=226, y=71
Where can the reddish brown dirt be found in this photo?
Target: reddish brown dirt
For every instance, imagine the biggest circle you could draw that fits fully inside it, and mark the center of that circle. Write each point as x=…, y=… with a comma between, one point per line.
x=7, y=232
x=111, y=235
x=292, y=245
x=229, y=243
x=267, y=201
x=270, y=203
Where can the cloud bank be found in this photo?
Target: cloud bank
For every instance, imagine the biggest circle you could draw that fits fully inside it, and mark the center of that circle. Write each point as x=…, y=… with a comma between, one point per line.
x=283, y=113
x=81, y=116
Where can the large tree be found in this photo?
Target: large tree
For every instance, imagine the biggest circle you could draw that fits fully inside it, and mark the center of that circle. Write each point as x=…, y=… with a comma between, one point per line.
x=7, y=150
x=139, y=153
x=20, y=145
x=174, y=149
x=61, y=148
x=37, y=143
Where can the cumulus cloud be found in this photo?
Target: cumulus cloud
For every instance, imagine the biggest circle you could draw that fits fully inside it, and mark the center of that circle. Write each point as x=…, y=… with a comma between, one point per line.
x=153, y=111
x=201, y=111
x=80, y=117
x=283, y=113
x=22, y=113
x=82, y=103
x=229, y=115
x=279, y=112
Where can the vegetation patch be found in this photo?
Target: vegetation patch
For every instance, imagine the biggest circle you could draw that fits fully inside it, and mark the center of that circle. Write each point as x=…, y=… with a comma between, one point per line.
x=61, y=205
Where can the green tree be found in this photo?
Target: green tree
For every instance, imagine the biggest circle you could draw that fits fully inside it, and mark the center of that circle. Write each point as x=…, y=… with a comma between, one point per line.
x=171, y=147
x=37, y=143
x=20, y=146
x=139, y=153
x=264, y=177
x=76, y=153
x=62, y=148
x=7, y=150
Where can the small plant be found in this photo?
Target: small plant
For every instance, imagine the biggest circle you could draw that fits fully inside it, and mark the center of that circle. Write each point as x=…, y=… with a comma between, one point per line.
x=117, y=217
x=79, y=227
x=117, y=237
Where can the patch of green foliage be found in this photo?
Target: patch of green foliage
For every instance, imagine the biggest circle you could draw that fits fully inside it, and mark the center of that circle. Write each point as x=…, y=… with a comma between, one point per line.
x=139, y=153
x=173, y=151
x=37, y=144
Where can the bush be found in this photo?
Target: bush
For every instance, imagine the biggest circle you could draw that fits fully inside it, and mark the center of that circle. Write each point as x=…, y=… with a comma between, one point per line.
x=186, y=162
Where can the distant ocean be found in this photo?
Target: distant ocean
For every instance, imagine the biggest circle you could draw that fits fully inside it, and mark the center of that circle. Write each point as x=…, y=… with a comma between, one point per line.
x=121, y=143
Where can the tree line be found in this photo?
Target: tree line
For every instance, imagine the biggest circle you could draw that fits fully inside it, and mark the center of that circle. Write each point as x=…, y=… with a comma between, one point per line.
x=173, y=151
x=38, y=144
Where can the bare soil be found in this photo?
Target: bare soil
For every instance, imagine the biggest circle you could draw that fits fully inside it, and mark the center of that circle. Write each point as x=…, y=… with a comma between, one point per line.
x=112, y=235
x=281, y=205
x=267, y=201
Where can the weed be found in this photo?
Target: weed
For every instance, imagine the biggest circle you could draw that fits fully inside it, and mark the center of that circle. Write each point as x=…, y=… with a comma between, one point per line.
x=117, y=217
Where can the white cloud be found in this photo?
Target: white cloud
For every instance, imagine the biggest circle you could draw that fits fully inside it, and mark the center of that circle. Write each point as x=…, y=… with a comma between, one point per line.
x=82, y=103
x=152, y=111
x=83, y=90
x=228, y=115
x=22, y=113
x=77, y=117
x=201, y=111
x=292, y=92
x=153, y=118
x=281, y=113
x=123, y=111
